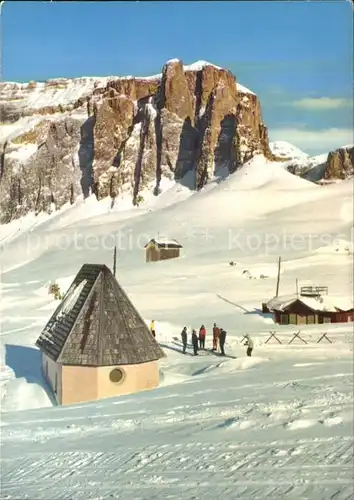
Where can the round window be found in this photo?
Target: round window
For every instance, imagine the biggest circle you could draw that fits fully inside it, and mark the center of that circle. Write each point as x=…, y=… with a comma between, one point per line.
x=116, y=375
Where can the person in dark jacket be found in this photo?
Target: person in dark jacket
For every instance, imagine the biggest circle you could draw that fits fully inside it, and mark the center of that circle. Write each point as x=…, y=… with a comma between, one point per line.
x=202, y=334
x=249, y=344
x=222, y=340
x=216, y=333
x=195, y=342
x=184, y=339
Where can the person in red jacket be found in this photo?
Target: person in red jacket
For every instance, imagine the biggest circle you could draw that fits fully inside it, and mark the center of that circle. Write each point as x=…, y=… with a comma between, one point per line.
x=202, y=335
x=216, y=335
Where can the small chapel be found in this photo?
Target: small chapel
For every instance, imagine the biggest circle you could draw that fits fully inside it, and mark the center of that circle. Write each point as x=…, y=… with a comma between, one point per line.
x=96, y=345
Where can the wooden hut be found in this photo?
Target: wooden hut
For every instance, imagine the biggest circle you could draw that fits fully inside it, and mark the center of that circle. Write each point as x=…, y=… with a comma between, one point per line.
x=96, y=344
x=162, y=249
x=306, y=310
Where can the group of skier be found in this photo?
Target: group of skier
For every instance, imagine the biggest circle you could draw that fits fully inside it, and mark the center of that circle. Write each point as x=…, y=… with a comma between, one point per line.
x=219, y=339
x=198, y=340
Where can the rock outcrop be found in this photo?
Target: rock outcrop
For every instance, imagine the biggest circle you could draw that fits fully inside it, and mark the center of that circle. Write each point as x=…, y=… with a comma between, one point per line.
x=48, y=179
x=326, y=168
x=112, y=135
x=339, y=164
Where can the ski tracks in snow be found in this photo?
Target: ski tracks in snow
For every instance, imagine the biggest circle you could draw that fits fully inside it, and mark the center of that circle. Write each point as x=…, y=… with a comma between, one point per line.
x=308, y=468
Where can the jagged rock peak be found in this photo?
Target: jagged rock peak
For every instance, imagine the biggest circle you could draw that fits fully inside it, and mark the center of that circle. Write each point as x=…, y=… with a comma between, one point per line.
x=325, y=168
x=340, y=163
x=115, y=135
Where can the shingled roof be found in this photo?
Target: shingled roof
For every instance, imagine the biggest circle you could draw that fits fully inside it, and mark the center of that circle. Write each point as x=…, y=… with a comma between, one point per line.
x=96, y=324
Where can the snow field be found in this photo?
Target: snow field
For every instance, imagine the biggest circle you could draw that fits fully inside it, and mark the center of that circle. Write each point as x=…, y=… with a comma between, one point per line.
x=276, y=425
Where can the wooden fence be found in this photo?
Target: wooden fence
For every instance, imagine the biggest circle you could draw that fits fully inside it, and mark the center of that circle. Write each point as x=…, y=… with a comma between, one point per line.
x=296, y=335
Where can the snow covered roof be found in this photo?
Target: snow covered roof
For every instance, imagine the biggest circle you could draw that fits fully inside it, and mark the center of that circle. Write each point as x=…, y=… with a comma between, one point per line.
x=164, y=242
x=323, y=303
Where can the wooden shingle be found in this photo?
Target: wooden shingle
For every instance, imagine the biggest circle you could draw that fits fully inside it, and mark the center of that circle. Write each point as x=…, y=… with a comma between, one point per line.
x=96, y=324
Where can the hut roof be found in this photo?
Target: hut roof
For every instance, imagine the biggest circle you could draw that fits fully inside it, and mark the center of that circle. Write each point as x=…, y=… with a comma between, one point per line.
x=321, y=303
x=164, y=243
x=96, y=324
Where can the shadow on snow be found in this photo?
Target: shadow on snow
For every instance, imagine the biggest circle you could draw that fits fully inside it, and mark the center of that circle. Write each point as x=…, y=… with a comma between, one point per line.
x=26, y=363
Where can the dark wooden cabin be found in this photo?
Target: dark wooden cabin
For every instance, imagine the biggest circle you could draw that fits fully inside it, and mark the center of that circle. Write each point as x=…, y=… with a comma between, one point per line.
x=162, y=249
x=298, y=312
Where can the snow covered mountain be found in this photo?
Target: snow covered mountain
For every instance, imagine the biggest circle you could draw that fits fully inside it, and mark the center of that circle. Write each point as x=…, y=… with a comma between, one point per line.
x=328, y=167
x=120, y=137
x=285, y=150
x=74, y=155
x=117, y=135
x=270, y=426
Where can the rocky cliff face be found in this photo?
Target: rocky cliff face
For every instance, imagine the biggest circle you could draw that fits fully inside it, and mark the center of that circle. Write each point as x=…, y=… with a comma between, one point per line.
x=339, y=164
x=112, y=135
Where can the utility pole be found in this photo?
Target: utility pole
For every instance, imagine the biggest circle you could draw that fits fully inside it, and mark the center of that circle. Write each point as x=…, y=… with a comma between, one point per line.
x=297, y=288
x=278, y=278
x=114, y=260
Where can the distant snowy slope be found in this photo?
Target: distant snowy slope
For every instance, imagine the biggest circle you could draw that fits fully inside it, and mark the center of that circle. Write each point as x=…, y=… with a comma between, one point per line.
x=259, y=192
x=311, y=168
x=60, y=91
x=284, y=149
x=297, y=162
x=332, y=166
x=277, y=425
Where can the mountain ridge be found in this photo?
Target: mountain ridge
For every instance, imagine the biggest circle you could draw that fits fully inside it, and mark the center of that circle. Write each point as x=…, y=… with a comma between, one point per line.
x=325, y=168
x=113, y=136
x=110, y=136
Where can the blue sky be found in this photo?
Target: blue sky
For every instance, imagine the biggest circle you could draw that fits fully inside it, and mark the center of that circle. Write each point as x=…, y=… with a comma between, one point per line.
x=297, y=56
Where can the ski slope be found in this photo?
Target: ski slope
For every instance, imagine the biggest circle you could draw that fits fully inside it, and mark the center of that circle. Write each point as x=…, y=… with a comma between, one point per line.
x=276, y=425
